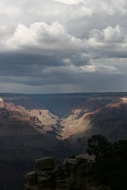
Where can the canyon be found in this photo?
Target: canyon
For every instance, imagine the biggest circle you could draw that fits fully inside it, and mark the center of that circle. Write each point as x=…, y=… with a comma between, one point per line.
x=58, y=125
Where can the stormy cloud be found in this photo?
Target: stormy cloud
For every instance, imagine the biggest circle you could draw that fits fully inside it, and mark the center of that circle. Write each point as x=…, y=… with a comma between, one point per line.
x=49, y=46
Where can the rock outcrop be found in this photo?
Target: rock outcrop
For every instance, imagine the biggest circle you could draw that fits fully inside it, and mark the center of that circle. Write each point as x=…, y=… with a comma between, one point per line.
x=74, y=173
x=29, y=131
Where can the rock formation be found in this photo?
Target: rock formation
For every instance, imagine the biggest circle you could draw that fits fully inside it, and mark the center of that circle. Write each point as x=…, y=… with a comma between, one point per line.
x=21, y=141
x=30, y=131
x=73, y=174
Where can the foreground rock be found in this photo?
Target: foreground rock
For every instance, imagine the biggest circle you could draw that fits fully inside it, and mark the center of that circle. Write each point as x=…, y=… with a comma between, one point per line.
x=73, y=174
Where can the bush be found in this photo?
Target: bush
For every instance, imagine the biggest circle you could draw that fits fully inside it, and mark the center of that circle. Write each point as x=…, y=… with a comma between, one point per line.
x=110, y=167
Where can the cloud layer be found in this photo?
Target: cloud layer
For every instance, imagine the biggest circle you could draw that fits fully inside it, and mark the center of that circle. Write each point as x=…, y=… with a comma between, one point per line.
x=49, y=46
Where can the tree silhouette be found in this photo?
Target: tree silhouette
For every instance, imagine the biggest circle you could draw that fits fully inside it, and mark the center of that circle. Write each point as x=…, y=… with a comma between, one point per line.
x=110, y=167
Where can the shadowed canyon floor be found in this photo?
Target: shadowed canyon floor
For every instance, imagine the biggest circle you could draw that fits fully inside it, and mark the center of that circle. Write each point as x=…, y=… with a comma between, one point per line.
x=33, y=126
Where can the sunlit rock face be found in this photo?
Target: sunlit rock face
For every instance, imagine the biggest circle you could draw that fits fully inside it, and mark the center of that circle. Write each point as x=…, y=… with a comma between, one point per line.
x=1, y=103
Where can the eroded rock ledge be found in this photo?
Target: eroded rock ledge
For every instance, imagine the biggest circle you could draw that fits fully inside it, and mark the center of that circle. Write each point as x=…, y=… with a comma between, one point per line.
x=73, y=174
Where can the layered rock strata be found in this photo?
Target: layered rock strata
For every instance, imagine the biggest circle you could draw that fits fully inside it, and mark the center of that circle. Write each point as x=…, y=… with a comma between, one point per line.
x=74, y=173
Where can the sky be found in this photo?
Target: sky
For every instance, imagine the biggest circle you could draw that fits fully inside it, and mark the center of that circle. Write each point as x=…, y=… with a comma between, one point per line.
x=63, y=46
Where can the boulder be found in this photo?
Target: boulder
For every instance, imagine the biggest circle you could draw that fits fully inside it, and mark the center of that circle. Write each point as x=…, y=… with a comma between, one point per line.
x=58, y=172
x=31, y=178
x=70, y=165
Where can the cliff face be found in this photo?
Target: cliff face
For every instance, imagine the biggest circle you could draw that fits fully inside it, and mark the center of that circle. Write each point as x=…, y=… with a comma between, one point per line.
x=74, y=173
x=109, y=120
x=76, y=122
x=33, y=131
x=21, y=141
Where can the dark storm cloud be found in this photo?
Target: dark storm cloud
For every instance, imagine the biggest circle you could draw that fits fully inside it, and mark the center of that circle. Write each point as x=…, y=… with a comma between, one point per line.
x=18, y=63
x=63, y=45
x=22, y=64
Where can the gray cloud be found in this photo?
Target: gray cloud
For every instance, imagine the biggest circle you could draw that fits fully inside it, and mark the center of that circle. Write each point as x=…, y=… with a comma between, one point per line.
x=63, y=46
